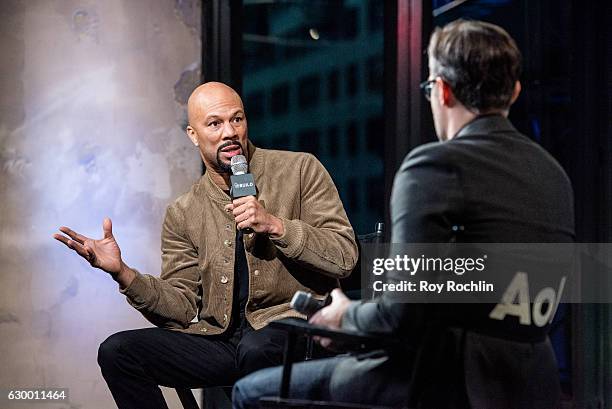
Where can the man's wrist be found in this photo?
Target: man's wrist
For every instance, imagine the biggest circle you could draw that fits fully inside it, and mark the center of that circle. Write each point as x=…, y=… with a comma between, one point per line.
x=125, y=276
x=277, y=228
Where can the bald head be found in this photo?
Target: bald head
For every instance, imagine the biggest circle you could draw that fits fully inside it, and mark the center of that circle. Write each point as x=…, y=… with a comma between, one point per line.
x=207, y=96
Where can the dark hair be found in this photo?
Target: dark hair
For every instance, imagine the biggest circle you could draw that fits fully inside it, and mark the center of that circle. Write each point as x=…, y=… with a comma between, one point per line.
x=480, y=62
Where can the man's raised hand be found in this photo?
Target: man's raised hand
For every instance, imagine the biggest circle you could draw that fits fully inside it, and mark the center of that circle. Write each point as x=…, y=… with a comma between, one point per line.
x=103, y=253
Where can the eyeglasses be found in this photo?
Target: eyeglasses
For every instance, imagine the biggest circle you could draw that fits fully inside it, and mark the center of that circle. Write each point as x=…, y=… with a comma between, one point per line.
x=426, y=87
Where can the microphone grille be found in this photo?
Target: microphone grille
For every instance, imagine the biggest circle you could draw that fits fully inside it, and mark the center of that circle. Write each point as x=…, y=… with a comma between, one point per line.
x=239, y=165
x=299, y=300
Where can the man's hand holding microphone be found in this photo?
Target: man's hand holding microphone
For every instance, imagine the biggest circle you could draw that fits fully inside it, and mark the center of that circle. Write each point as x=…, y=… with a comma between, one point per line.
x=248, y=212
x=326, y=313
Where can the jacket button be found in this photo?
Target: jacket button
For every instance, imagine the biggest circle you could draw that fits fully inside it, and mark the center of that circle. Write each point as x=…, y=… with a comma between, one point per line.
x=227, y=227
x=224, y=317
x=228, y=243
x=203, y=330
x=224, y=279
x=256, y=272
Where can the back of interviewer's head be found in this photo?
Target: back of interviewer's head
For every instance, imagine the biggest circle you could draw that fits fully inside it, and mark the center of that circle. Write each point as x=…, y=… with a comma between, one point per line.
x=480, y=62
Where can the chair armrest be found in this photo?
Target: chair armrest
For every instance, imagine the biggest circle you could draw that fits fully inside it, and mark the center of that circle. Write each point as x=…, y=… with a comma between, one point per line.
x=353, y=341
x=278, y=403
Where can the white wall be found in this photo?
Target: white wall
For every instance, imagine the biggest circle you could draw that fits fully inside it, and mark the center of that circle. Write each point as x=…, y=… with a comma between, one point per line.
x=92, y=107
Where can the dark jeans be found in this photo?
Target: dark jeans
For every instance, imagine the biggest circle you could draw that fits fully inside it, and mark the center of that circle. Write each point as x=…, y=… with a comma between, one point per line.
x=135, y=362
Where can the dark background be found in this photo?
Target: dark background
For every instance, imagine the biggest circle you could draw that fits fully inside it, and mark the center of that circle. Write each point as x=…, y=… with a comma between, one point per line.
x=368, y=111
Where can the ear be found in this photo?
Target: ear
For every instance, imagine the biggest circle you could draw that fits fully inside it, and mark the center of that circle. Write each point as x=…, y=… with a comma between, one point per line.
x=192, y=134
x=515, y=92
x=445, y=96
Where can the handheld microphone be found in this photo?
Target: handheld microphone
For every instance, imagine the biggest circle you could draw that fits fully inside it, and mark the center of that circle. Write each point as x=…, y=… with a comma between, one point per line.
x=306, y=304
x=242, y=182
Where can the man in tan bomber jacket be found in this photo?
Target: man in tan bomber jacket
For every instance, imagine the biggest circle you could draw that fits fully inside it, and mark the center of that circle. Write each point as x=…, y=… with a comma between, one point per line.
x=219, y=286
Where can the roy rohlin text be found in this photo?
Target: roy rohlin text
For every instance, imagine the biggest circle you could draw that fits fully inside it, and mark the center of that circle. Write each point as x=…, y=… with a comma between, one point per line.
x=426, y=286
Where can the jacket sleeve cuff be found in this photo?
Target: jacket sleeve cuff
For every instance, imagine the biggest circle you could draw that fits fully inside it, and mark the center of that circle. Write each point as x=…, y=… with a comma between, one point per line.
x=291, y=244
x=138, y=292
x=349, y=319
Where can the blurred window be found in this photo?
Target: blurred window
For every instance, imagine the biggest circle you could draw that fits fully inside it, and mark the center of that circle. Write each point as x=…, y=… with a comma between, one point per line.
x=317, y=65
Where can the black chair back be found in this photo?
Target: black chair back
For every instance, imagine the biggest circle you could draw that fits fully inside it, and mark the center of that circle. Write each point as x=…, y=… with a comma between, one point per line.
x=353, y=284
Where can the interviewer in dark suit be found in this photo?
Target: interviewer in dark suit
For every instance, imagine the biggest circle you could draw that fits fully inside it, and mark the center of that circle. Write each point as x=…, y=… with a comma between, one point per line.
x=483, y=182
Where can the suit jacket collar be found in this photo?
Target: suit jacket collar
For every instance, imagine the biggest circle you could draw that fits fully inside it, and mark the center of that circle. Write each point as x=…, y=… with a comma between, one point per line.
x=486, y=124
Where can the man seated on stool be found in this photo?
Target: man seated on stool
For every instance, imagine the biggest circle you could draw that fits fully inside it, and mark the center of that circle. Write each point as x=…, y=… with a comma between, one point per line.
x=235, y=282
x=499, y=186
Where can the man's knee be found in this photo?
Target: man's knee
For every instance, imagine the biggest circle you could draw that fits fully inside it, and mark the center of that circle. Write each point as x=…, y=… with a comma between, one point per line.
x=108, y=351
x=111, y=350
x=259, y=349
x=248, y=390
x=239, y=398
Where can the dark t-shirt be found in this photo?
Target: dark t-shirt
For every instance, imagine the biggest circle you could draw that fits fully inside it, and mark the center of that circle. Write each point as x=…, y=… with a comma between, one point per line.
x=241, y=278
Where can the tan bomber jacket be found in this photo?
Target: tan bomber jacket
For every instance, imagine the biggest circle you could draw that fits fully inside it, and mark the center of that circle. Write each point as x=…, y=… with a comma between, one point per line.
x=197, y=276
